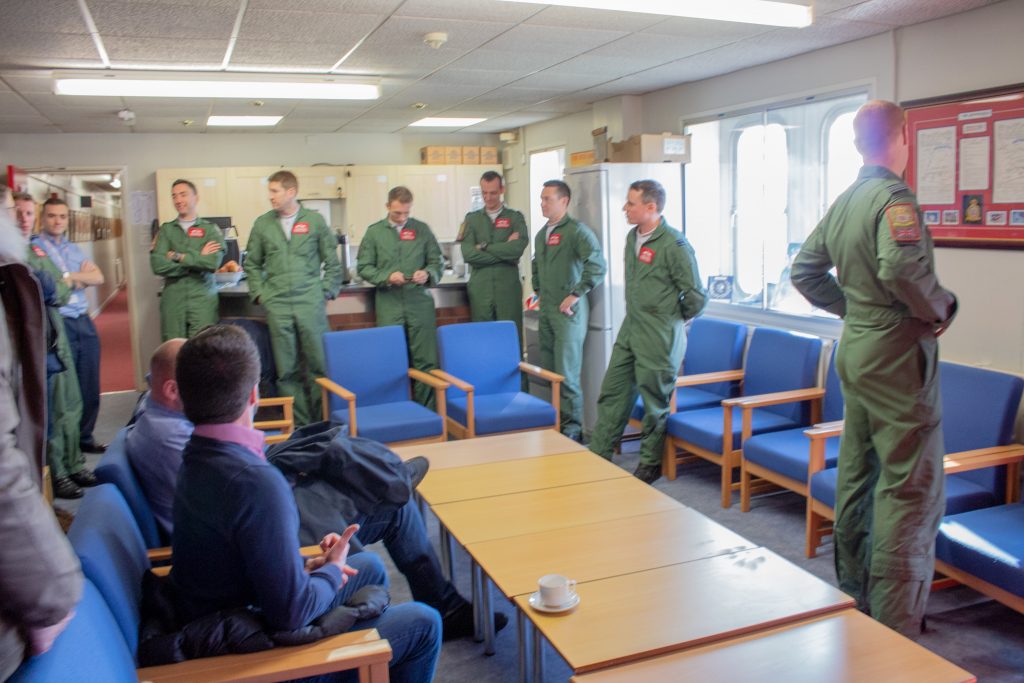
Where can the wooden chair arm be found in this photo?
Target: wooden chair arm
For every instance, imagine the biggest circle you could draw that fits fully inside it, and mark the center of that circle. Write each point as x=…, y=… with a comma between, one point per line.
x=538, y=371
x=774, y=398
x=431, y=381
x=352, y=650
x=965, y=461
x=452, y=379
x=825, y=430
x=708, y=378
x=271, y=401
x=159, y=554
x=336, y=389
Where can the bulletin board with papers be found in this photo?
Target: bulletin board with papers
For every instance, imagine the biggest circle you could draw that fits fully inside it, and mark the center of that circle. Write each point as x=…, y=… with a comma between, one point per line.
x=966, y=166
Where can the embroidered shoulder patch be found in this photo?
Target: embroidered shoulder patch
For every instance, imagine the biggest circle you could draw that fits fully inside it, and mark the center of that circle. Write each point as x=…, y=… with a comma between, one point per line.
x=903, y=223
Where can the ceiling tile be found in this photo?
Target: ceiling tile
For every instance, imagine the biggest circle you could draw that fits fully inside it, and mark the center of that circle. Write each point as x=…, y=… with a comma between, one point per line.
x=139, y=19
x=38, y=49
x=505, y=122
x=894, y=13
x=12, y=104
x=326, y=28
x=27, y=124
x=608, y=20
x=382, y=7
x=29, y=81
x=702, y=29
x=437, y=97
x=450, y=76
x=560, y=80
x=555, y=40
x=470, y=10
x=49, y=101
x=496, y=60
x=308, y=56
x=51, y=16
x=184, y=52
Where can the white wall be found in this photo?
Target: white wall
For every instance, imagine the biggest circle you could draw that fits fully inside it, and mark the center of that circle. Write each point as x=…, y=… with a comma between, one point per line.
x=141, y=154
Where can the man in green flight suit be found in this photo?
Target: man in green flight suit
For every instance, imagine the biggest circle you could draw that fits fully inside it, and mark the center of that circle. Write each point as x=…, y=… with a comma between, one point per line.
x=401, y=258
x=64, y=398
x=663, y=291
x=567, y=264
x=890, y=495
x=492, y=240
x=293, y=270
x=186, y=252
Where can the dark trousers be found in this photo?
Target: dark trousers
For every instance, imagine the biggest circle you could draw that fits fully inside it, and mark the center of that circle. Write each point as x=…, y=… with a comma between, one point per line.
x=405, y=536
x=85, y=348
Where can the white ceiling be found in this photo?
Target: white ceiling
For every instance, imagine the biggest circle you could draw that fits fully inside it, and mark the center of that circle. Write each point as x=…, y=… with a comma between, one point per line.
x=513, y=63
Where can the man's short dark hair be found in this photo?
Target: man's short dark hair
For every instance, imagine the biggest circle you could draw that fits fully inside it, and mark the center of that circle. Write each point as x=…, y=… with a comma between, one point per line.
x=400, y=194
x=23, y=197
x=54, y=201
x=560, y=188
x=651, y=191
x=286, y=178
x=217, y=369
x=491, y=176
x=182, y=181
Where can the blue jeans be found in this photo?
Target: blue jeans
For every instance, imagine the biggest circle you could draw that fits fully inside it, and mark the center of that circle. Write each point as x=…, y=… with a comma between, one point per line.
x=85, y=349
x=405, y=536
x=412, y=629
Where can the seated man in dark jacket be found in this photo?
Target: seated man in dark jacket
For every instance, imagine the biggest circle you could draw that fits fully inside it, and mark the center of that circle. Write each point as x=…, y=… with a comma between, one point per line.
x=236, y=527
x=154, y=446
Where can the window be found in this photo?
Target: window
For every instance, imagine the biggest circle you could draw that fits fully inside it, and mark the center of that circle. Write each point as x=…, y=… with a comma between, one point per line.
x=545, y=165
x=756, y=186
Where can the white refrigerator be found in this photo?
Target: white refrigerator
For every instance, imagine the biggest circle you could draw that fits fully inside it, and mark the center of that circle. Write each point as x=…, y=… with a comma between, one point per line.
x=598, y=194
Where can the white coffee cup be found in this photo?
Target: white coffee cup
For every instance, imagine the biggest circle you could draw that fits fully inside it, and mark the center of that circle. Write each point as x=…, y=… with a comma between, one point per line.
x=556, y=589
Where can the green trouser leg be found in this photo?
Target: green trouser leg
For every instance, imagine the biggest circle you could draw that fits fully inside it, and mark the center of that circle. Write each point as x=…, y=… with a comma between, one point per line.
x=63, y=452
x=655, y=382
x=421, y=330
x=618, y=394
x=561, y=350
x=509, y=305
x=173, y=318
x=203, y=311
x=890, y=491
x=296, y=337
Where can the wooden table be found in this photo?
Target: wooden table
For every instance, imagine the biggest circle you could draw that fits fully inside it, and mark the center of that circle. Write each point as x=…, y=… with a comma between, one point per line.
x=606, y=549
x=516, y=476
x=484, y=449
x=636, y=616
x=846, y=647
x=485, y=519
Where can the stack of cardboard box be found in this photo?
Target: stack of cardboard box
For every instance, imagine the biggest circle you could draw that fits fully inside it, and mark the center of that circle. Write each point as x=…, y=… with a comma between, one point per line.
x=436, y=154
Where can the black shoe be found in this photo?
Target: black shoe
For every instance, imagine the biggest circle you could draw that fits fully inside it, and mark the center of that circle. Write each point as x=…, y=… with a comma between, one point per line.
x=648, y=474
x=92, y=447
x=459, y=624
x=417, y=468
x=63, y=487
x=85, y=477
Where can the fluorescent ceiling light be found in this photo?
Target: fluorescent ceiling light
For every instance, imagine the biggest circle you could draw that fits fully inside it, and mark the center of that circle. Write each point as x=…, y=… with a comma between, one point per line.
x=217, y=88
x=243, y=120
x=744, y=11
x=449, y=122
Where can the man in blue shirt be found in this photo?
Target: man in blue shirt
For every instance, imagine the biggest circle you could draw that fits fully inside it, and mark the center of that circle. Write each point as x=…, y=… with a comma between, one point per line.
x=79, y=272
x=159, y=435
x=236, y=525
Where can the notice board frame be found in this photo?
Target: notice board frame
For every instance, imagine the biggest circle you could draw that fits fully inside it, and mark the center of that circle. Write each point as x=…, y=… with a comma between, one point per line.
x=975, y=112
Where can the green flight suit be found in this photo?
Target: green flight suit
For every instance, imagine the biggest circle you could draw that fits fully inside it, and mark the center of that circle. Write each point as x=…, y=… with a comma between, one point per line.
x=63, y=454
x=663, y=291
x=293, y=278
x=385, y=250
x=890, y=495
x=189, y=301
x=567, y=260
x=495, y=290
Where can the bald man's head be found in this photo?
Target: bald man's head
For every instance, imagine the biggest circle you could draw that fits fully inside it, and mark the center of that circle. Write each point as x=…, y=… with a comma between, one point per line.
x=162, y=366
x=878, y=131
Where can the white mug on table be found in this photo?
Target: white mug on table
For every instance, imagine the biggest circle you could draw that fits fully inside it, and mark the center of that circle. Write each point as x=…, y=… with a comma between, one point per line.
x=556, y=589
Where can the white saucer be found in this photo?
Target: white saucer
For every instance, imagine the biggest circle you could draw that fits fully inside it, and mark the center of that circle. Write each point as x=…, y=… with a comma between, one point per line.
x=536, y=604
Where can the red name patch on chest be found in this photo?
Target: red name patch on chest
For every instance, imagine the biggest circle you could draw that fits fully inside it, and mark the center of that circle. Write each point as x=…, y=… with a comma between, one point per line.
x=503, y=223
x=300, y=229
x=39, y=251
x=554, y=240
x=196, y=232
x=646, y=255
x=407, y=235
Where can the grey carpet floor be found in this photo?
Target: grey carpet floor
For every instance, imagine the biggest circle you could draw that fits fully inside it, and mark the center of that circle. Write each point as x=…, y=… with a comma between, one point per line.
x=966, y=628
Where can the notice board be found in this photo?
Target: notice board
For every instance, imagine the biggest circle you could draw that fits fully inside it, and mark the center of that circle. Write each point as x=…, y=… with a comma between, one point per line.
x=966, y=166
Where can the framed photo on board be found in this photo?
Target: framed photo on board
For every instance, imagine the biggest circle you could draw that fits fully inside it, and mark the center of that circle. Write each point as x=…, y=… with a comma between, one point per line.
x=966, y=165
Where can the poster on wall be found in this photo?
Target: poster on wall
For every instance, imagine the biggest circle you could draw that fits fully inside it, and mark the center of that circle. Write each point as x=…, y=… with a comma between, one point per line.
x=966, y=166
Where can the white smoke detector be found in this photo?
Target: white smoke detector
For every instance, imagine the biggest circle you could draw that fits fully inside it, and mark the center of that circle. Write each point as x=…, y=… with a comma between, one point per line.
x=127, y=116
x=436, y=40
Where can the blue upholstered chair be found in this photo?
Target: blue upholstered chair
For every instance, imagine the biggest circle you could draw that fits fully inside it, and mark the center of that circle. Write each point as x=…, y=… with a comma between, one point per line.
x=783, y=458
x=978, y=411
x=101, y=641
x=984, y=549
x=712, y=347
x=115, y=468
x=777, y=363
x=483, y=363
x=368, y=388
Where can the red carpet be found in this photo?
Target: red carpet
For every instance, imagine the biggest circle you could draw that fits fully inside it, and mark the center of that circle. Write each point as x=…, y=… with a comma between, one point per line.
x=116, y=372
